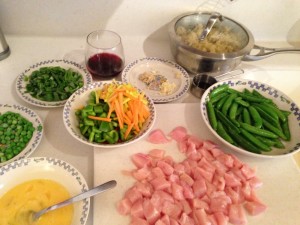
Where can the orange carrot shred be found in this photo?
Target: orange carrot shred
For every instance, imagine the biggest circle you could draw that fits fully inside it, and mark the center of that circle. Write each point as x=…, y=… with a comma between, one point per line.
x=100, y=118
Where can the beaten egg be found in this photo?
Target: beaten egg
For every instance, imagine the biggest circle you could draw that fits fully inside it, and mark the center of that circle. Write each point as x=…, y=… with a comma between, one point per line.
x=17, y=205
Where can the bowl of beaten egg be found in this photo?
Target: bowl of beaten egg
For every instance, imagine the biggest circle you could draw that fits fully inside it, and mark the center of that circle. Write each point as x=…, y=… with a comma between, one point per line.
x=32, y=184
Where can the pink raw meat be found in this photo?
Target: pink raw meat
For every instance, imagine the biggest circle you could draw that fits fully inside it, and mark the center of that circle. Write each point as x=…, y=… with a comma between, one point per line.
x=209, y=187
x=157, y=137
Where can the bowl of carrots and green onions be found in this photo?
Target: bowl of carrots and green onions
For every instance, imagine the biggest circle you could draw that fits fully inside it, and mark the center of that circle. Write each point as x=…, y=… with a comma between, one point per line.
x=109, y=114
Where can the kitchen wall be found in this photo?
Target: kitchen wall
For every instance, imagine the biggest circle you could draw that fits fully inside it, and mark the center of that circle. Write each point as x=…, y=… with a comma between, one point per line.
x=269, y=20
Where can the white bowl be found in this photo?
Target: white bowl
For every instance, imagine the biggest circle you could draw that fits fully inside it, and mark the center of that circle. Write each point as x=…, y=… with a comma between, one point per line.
x=66, y=64
x=57, y=170
x=80, y=98
x=279, y=98
x=36, y=138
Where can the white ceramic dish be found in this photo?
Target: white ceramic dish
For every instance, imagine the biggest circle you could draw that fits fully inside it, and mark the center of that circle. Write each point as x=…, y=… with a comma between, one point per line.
x=279, y=98
x=48, y=168
x=80, y=98
x=21, y=83
x=31, y=116
x=170, y=70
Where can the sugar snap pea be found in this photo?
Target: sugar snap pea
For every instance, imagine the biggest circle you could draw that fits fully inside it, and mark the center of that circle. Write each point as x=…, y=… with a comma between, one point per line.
x=221, y=102
x=216, y=98
x=261, y=145
x=243, y=142
x=255, y=116
x=228, y=103
x=218, y=90
x=274, y=129
x=286, y=129
x=246, y=116
x=226, y=121
x=258, y=131
x=211, y=115
x=240, y=101
x=223, y=133
x=233, y=110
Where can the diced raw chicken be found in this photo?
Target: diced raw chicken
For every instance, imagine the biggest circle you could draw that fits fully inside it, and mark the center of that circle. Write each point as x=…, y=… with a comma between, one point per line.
x=165, y=167
x=133, y=194
x=237, y=214
x=138, y=221
x=140, y=160
x=157, y=137
x=178, y=134
x=221, y=218
x=150, y=212
x=142, y=173
x=137, y=209
x=201, y=217
x=209, y=187
x=255, y=208
x=157, y=153
x=124, y=206
x=173, y=210
x=160, y=183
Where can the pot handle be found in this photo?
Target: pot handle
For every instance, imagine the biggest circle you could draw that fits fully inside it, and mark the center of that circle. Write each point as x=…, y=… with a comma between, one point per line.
x=265, y=52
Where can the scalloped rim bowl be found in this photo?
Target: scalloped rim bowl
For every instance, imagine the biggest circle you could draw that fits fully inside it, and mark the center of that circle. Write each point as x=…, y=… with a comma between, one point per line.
x=57, y=170
x=80, y=98
x=36, y=138
x=63, y=63
x=283, y=102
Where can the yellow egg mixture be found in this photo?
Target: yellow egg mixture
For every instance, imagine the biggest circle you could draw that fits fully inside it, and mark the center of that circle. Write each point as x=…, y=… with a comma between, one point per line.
x=17, y=204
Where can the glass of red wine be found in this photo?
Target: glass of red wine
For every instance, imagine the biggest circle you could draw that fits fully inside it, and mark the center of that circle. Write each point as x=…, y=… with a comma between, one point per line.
x=104, y=56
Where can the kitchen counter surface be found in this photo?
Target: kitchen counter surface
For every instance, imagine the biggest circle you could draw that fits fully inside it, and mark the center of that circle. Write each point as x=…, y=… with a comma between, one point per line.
x=281, y=71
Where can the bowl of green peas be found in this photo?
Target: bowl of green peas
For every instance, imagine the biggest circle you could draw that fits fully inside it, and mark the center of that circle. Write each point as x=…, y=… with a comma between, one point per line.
x=252, y=118
x=21, y=131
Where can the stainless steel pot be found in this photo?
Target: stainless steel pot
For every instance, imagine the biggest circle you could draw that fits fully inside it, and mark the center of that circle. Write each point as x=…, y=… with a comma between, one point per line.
x=198, y=61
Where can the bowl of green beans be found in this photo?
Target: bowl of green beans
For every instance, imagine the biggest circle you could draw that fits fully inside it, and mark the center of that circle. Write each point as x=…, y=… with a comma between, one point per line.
x=252, y=118
x=51, y=82
x=21, y=131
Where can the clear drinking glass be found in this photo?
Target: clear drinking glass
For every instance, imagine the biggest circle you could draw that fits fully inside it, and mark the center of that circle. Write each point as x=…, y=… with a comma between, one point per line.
x=104, y=55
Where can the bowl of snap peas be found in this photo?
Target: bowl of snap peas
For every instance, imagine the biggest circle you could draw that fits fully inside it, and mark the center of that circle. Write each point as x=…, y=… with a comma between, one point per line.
x=109, y=114
x=252, y=118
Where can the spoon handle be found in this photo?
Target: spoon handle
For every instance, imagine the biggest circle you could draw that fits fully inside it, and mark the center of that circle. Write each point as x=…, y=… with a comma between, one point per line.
x=79, y=197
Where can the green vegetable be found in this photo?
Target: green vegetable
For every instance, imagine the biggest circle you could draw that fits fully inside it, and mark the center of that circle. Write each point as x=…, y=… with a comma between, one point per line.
x=228, y=103
x=15, y=134
x=218, y=90
x=246, y=116
x=261, y=145
x=243, y=142
x=248, y=119
x=255, y=116
x=258, y=131
x=223, y=133
x=211, y=115
x=53, y=83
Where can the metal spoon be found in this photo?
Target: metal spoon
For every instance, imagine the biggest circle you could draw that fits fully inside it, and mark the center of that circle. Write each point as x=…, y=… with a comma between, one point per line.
x=79, y=197
x=210, y=23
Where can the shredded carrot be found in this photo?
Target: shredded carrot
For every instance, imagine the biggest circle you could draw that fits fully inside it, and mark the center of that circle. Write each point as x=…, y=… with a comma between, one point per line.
x=100, y=118
x=129, y=128
x=119, y=114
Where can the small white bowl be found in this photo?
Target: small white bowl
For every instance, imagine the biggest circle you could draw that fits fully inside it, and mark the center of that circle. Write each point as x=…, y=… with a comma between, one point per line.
x=57, y=170
x=36, y=138
x=279, y=98
x=66, y=64
x=80, y=98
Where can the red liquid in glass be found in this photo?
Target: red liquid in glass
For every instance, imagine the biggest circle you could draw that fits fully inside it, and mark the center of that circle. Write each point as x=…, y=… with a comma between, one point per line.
x=105, y=65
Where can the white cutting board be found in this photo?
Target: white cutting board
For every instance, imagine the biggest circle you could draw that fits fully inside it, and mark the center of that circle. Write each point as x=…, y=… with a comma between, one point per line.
x=281, y=177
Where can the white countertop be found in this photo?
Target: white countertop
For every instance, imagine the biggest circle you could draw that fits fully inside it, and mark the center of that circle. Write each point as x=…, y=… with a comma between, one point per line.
x=281, y=71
